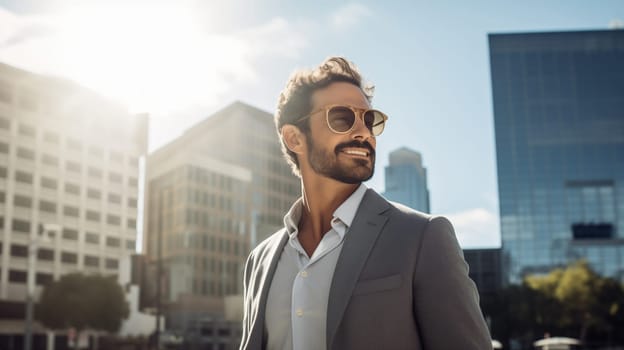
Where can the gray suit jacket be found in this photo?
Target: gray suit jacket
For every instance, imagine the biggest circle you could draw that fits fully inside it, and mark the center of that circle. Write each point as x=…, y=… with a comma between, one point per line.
x=400, y=282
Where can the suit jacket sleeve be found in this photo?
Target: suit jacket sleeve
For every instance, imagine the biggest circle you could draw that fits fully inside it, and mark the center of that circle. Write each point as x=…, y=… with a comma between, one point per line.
x=446, y=302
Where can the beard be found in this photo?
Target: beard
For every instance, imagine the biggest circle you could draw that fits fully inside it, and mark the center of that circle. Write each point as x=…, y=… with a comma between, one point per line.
x=353, y=171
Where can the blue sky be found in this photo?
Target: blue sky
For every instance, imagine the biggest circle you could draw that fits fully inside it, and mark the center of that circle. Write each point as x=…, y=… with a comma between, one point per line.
x=183, y=60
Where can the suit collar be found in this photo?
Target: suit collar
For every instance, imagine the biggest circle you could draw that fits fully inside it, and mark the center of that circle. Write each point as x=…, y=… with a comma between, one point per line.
x=366, y=227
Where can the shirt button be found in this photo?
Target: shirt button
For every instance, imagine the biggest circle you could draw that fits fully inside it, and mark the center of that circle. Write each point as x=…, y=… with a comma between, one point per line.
x=304, y=273
x=299, y=312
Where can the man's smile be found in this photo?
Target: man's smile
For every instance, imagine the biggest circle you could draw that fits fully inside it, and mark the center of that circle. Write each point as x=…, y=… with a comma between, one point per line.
x=359, y=152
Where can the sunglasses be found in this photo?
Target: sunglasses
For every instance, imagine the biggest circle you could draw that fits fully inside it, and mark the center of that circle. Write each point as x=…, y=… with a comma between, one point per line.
x=341, y=119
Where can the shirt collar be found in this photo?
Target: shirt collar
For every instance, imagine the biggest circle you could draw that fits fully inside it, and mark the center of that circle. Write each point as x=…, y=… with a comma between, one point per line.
x=345, y=212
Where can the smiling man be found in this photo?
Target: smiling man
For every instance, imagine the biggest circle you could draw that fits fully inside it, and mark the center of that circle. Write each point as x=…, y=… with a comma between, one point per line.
x=350, y=270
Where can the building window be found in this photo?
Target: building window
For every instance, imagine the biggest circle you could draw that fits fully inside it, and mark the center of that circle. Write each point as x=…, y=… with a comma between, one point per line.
x=91, y=261
x=133, y=161
x=113, y=242
x=71, y=211
x=26, y=130
x=20, y=251
x=4, y=147
x=21, y=226
x=114, y=198
x=28, y=100
x=130, y=244
x=43, y=279
x=116, y=157
x=112, y=263
x=49, y=160
x=5, y=123
x=113, y=220
x=114, y=177
x=133, y=182
x=74, y=145
x=17, y=276
x=3, y=172
x=45, y=254
x=70, y=234
x=92, y=238
x=22, y=201
x=23, y=177
x=96, y=152
x=6, y=92
x=51, y=137
x=73, y=166
x=72, y=189
x=25, y=153
x=95, y=173
x=48, y=183
x=2, y=197
x=94, y=194
x=69, y=258
x=93, y=216
x=132, y=202
x=47, y=206
x=131, y=223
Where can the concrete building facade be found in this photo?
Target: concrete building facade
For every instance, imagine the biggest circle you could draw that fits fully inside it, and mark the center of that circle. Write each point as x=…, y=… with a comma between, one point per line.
x=68, y=157
x=211, y=195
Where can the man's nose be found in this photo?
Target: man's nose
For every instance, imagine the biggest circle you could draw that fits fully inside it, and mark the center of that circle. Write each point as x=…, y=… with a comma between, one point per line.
x=360, y=130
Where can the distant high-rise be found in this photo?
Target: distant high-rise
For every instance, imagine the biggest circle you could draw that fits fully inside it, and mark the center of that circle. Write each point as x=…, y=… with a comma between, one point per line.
x=559, y=121
x=70, y=158
x=406, y=179
x=211, y=195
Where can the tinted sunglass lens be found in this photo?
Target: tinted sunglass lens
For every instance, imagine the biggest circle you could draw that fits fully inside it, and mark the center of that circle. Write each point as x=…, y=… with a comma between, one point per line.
x=341, y=119
x=379, y=122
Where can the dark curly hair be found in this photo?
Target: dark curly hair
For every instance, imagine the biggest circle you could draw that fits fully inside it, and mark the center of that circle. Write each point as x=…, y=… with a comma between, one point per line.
x=295, y=100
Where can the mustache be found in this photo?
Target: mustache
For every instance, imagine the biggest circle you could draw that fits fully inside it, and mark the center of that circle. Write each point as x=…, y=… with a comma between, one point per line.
x=355, y=143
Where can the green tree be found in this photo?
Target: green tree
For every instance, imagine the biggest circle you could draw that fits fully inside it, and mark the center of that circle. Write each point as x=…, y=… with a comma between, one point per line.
x=579, y=299
x=82, y=302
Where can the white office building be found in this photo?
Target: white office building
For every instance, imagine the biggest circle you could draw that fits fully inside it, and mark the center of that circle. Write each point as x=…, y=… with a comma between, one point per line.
x=68, y=157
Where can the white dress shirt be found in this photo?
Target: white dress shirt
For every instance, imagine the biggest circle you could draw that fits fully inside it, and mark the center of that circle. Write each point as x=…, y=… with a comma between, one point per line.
x=296, y=310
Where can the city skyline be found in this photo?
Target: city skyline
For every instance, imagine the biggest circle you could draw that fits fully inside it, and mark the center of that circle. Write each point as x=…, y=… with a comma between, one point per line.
x=429, y=64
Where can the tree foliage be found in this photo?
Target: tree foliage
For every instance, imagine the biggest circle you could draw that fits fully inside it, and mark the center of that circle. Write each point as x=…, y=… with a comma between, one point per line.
x=83, y=302
x=573, y=301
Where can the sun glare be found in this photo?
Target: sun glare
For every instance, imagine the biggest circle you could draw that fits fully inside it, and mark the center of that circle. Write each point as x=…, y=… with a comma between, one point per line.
x=155, y=58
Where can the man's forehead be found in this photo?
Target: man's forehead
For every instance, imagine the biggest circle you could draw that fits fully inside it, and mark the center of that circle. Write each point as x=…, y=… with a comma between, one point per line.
x=340, y=93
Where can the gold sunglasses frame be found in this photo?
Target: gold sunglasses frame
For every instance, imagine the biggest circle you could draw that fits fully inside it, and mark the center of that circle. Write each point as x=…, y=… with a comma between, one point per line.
x=358, y=112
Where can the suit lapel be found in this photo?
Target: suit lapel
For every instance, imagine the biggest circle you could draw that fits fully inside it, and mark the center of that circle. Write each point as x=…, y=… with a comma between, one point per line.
x=360, y=239
x=267, y=269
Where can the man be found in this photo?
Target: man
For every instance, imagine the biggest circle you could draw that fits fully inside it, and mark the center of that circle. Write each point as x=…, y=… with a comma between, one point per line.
x=350, y=270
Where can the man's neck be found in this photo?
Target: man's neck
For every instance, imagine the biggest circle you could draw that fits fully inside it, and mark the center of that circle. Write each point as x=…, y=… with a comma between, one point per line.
x=321, y=197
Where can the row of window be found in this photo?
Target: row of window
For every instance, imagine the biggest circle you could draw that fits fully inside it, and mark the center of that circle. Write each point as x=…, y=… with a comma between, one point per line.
x=48, y=206
x=44, y=254
x=23, y=226
x=70, y=143
x=70, y=166
x=69, y=211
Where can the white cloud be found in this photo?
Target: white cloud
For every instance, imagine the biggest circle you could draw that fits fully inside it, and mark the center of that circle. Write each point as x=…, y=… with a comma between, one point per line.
x=476, y=228
x=349, y=16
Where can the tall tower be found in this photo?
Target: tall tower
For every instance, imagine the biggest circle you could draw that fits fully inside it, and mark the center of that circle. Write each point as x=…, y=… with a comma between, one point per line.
x=559, y=122
x=406, y=179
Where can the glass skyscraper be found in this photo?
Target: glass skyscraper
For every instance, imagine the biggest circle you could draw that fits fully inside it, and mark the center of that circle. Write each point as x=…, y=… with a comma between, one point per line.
x=406, y=179
x=559, y=122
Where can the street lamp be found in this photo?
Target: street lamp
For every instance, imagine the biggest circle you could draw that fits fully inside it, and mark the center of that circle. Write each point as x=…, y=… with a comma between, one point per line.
x=44, y=234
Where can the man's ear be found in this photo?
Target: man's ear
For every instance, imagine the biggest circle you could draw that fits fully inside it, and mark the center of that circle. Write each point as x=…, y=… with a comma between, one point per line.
x=293, y=138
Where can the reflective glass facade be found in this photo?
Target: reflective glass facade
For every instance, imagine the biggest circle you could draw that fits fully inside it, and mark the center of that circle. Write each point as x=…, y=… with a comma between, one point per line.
x=559, y=122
